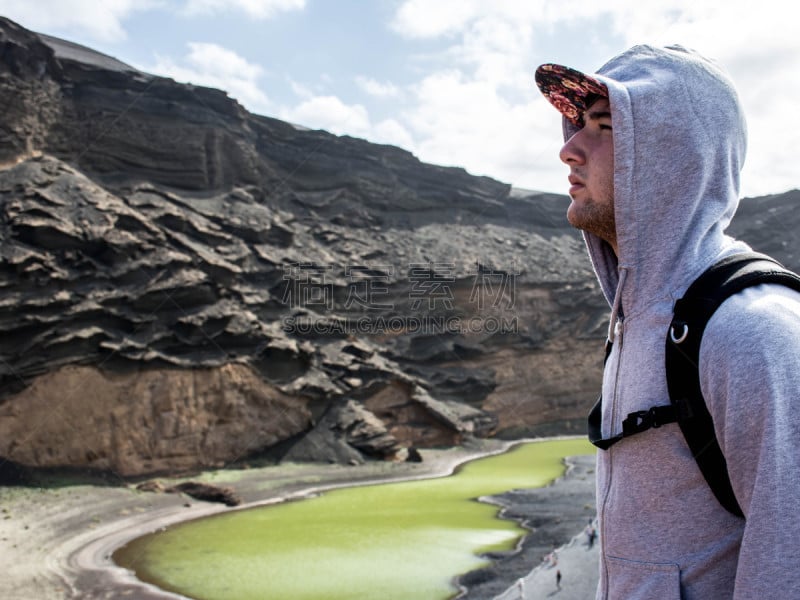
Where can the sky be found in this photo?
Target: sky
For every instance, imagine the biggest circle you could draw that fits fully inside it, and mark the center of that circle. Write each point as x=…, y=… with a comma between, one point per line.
x=449, y=80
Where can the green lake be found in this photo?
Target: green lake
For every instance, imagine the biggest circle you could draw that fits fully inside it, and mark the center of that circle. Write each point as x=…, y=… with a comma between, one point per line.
x=390, y=540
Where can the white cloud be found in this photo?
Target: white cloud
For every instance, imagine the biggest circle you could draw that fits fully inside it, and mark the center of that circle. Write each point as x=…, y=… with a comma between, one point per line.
x=496, y=48
x=464, y=122
x=101, y=21
x=214, y=66
x=390, y=131
x=425, y=19
x=480, y=110
x=474, y=103
x=377, y=88
x=331, y=114
x=300, y=89
x=257, y=9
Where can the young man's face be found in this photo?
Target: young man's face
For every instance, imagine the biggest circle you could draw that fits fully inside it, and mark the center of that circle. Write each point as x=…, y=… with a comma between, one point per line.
x=590, y=156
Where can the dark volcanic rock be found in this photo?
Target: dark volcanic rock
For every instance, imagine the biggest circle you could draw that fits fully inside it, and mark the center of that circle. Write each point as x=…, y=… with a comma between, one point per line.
x=186, y=284
x=347, y=433
x=196, y=489
x=206, y=492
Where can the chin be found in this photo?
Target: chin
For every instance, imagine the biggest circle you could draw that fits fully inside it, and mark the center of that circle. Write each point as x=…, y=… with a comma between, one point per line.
x=573, y=218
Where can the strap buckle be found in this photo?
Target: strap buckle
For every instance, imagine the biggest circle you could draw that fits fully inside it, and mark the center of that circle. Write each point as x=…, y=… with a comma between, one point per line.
x=642, y=420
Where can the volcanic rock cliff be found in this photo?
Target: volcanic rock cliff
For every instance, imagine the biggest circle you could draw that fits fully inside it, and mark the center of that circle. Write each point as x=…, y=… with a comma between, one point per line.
x=187, y=285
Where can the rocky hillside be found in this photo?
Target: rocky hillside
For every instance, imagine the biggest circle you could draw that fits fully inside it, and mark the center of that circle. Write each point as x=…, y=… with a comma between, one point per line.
x=188, y=285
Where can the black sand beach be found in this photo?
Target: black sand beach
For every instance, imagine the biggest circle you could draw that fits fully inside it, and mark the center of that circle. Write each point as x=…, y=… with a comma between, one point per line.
x=554, y=515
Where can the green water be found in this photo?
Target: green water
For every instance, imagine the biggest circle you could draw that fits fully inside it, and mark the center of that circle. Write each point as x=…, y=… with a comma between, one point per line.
x=393, y=540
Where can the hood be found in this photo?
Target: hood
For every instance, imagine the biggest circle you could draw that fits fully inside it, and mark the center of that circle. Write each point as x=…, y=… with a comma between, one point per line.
x=679, y=146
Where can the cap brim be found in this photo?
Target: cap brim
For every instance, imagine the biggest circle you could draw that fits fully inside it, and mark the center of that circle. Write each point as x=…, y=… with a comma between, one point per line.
x=568, y=90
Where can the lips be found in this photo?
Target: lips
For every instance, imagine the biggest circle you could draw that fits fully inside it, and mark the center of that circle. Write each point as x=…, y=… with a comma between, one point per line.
x=577, y=184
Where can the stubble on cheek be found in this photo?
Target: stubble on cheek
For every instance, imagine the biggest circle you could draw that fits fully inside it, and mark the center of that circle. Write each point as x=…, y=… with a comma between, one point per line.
x=589, y=216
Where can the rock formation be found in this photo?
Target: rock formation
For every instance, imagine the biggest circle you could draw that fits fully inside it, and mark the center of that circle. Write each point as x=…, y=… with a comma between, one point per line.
x=195, y=489
x=186, y=284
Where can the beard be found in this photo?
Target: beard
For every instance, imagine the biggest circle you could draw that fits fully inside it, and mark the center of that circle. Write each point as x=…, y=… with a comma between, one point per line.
x=594, y=217
x=594, y=212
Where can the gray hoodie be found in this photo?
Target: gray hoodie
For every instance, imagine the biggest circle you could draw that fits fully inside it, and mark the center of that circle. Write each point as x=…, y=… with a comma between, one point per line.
x=679, y=144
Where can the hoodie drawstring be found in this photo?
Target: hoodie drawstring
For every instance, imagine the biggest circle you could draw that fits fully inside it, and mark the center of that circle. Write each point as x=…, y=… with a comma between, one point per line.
x=615, y=307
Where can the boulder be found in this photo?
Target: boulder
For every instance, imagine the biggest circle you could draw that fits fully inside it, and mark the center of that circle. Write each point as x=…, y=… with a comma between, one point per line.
x=206, y=492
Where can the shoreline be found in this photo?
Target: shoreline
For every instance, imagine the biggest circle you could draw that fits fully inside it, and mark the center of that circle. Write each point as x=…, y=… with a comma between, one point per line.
x=555, y=517
x=57, y=543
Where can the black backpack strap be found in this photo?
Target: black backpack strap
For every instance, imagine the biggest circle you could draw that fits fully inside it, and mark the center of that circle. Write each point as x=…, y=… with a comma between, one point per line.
x=692, y=312
x=595, y=421
x=635, y=422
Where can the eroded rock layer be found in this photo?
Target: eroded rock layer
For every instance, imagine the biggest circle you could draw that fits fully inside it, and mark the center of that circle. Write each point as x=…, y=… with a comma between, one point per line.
x=186, y=285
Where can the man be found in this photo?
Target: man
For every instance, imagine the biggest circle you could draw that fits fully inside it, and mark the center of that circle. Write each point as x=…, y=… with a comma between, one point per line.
x=654, y=144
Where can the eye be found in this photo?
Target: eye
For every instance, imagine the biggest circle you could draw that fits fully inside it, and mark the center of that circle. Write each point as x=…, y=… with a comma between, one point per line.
x=605, y=126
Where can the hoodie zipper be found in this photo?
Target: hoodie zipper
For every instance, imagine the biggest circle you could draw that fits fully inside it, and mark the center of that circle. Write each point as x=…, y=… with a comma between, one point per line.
x=618, y=337
x=615, y=336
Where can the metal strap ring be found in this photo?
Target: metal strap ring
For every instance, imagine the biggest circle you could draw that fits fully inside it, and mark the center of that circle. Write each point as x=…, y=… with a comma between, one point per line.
x=678, y=339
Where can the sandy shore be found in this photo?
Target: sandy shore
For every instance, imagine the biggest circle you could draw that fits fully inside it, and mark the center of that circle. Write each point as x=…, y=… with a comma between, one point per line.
x=56, y=543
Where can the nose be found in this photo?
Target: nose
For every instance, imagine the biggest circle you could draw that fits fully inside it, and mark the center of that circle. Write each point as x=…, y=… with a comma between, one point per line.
x=572, y=151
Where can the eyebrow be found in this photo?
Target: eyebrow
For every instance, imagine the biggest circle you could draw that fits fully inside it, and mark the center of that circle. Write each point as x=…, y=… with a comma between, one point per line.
x=596, y=115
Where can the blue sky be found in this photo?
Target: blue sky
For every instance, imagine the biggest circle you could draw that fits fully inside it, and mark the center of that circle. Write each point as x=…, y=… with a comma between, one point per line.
x=449, y=80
